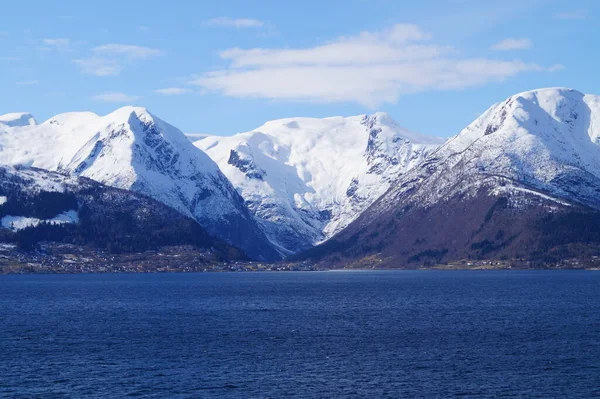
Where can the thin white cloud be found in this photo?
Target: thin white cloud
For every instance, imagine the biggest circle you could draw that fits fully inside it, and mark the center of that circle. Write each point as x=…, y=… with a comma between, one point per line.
x=127, y=50
x=173, y=91
x=143, y=28
x=99, y=66
x=556, y=67
x=578, y=14
x=512, y=44
x=238, y=23
x=57, y=44
x=111, y=59
x=370, y=68
x=9, y=58
x=27, y=82
x=115, y=97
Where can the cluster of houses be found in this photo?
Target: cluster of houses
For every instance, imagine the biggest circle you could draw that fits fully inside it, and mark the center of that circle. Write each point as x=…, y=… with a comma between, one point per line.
x=66, y=258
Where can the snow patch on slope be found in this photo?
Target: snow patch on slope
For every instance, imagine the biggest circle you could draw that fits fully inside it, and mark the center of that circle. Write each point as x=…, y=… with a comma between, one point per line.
x=16, y=223
x=17, y=119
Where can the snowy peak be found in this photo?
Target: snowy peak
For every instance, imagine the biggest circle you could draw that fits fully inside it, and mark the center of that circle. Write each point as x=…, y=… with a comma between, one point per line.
x=384, y=122
x=554, y=113
x=532, y=130
x=522, y=181
x=17, y=119
x=132, y=149
x=306, y=178
x=543, y=141
x=142, y=124
x=118, y=148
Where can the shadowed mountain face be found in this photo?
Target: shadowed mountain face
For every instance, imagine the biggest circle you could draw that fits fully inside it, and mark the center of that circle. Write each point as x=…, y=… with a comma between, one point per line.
x=522, y=181
x=132, y=149
x=484, y=226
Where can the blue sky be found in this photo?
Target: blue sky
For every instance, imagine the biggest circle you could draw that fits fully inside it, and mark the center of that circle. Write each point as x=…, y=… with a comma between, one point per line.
x=221, y=67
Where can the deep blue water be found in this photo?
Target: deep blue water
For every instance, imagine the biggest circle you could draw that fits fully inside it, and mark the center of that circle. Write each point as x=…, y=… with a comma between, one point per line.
x=321, y=334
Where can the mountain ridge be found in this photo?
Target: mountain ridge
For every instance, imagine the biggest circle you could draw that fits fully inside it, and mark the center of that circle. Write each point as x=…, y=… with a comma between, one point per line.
x=132, y=149
x=532, y=157
x=357, y=186
x=307, y=178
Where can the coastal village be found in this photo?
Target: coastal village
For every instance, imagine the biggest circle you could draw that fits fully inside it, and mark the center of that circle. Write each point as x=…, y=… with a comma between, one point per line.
x=66, y=258
x=54, y=258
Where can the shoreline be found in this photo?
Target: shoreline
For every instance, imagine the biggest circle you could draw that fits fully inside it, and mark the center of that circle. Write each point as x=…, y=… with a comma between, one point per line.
x=27, y=270
x=71, y=259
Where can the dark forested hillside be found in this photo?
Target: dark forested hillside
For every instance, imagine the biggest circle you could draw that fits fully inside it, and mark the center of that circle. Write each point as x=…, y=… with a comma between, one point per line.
x=485, y=227
x=108, y=218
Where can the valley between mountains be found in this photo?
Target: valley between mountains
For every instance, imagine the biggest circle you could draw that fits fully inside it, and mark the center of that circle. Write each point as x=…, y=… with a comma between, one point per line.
x=519, y=186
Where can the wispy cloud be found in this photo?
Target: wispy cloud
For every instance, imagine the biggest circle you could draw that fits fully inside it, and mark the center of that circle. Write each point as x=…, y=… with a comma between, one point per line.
x=238, y=23
x=99, y=66
x=111, y=59
x=127, y=50
x=9, y=58
x=577, y=14
x=27, y=82
x=115, y=97
x=512, y=44
x=59, y=44
x=556, y=67
x=173, y=91
x=370, y=68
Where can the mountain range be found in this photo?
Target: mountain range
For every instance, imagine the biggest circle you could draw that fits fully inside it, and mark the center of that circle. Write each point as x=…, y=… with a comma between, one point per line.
x=306, y=179
x=131, y=149
x=520, y=182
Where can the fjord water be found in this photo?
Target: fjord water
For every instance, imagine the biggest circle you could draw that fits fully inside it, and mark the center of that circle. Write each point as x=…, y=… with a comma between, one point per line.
x=303, y=334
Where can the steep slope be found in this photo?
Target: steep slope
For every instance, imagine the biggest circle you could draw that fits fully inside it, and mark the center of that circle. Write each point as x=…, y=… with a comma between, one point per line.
x=38, y=205
x=134, y=150
x=306, y=179
x=522, y=181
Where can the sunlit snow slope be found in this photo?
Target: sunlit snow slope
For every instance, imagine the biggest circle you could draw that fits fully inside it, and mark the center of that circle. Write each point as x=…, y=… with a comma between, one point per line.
x=548, y=139
x=306, y=179
x=132, y=149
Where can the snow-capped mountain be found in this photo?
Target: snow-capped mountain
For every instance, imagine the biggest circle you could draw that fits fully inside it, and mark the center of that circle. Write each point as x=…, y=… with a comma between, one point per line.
x=491, y=190
x=548, y=139
x=305, y=179
x=134, y=150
